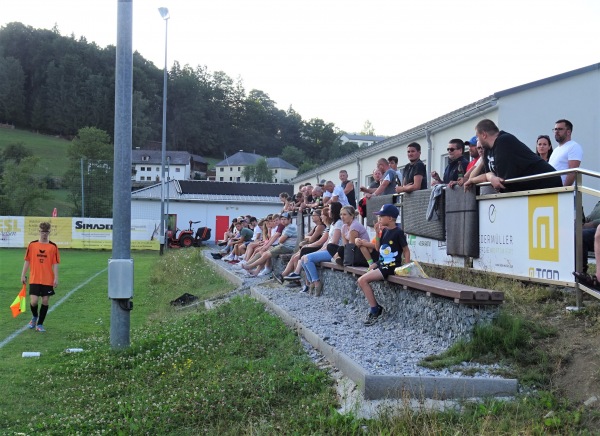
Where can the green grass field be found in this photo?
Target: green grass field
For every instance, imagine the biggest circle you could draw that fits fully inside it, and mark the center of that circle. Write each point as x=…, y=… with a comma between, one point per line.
x=229, y=371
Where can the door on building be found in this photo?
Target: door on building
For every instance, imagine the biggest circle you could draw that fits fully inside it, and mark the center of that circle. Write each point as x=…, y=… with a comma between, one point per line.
x=222, y=223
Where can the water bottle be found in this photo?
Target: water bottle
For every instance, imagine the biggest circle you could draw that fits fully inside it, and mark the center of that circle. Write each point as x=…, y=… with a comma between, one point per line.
x=31, y=354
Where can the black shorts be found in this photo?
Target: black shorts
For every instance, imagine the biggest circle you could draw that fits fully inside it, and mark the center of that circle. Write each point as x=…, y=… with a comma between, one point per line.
x=41, y=290
x=386, y=271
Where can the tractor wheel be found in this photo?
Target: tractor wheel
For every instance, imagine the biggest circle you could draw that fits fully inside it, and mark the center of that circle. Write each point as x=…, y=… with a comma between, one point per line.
x=186, y=241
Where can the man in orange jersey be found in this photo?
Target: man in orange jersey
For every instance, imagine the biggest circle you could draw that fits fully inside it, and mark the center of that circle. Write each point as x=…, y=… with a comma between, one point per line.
x=41, y=259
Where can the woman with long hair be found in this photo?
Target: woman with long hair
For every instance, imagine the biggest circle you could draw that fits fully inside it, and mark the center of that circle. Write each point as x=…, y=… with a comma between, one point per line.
x=321, y=219
x=351, y=230
x=309, y=261
x=543, y=147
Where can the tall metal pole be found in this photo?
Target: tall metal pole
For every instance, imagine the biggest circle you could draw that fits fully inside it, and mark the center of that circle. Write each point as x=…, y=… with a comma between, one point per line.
x=120, y=266
x=164, y=13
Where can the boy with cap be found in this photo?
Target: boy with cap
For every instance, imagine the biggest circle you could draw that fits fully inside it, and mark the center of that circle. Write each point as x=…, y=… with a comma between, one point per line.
x=392, y=247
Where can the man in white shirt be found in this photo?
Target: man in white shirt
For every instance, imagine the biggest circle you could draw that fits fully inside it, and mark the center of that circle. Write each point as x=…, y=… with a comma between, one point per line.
x=334, y=193
x=568, y=154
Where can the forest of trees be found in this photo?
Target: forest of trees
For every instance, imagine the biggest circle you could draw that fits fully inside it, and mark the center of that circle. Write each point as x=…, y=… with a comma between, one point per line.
x=58, y=85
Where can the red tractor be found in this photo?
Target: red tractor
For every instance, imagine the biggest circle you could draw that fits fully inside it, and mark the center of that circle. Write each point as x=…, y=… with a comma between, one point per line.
x=185, y=238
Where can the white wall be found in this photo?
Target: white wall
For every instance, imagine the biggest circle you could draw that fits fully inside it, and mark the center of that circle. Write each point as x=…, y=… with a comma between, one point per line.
x=200, y=211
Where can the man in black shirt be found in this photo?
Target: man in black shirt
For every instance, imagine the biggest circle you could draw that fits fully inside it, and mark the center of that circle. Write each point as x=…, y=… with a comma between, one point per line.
x=415, y=173
x=457, y=165
x=506, y=157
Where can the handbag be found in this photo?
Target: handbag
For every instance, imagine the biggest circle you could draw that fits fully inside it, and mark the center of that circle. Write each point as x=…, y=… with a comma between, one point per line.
x=353, y=256
x=349, y=251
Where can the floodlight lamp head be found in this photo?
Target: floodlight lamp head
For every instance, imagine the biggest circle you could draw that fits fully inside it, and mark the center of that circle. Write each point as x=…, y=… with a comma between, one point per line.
x=164, y=13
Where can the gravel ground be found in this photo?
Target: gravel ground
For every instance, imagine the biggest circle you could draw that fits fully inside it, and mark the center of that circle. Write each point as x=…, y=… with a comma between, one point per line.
x=381, y=349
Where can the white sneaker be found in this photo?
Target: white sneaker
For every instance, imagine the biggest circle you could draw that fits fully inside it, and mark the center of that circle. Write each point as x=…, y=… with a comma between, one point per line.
x=264, y=272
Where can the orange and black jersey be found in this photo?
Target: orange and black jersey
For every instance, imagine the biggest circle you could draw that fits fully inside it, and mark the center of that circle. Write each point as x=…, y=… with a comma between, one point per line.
x=41, y=258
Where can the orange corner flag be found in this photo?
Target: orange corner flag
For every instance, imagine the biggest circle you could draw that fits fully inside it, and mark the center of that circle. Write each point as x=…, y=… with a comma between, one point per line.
x=18, y=306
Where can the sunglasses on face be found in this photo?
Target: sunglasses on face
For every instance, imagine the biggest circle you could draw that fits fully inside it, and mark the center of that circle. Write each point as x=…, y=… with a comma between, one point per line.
x=451, y=149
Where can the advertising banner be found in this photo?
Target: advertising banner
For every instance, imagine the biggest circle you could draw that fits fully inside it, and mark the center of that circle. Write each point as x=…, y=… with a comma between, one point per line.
x=88, y=233
x=431, y=251
x=528, y=236
x=12, y=231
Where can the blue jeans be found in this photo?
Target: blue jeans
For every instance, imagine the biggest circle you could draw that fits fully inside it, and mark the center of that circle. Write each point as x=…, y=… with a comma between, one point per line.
x=310, y=265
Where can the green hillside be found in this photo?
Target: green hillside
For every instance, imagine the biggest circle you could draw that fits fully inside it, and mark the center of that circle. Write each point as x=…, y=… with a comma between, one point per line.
x=51, y=150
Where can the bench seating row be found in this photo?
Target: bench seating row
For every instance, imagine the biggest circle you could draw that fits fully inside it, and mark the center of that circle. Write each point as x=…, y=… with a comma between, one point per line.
x=459, y=293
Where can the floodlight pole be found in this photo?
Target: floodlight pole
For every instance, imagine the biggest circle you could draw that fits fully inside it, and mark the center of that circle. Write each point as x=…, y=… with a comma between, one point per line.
x=164, y=13
x=120, y=266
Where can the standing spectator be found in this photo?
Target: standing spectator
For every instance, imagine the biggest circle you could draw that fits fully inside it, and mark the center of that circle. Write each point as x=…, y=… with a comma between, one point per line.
x=505, y=157
x=473, y=153
x=348, y=188
x=362, y=204
x=391, y=251
x=334, y=193
x=415, y=173
x=393, y=161
x=543, y=147
x=568, y=154
x=387, y=184
x=41, y=260
x=457, y=164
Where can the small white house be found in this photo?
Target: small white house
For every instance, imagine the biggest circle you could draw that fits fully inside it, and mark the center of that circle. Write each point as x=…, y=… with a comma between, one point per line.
x=180, y=165
x=231, y=168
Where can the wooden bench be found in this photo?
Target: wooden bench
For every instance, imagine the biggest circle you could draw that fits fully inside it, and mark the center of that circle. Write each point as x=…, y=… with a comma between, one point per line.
x=458, y=292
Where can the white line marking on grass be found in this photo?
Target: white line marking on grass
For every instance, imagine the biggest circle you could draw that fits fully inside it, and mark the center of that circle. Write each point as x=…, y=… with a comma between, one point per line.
x=55, y=305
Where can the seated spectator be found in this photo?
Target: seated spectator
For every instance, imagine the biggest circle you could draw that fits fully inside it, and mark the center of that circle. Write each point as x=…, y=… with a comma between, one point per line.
x=415, y=173
x=457, y=164
x=269, y=226
x=543, y=147
x=391, y=251
x=308, y=261
x=311, y=244
x=351, y=229
x=505, y=157
x=317, y=229
x=244, y=237
x=334, y=193
x=287, y=234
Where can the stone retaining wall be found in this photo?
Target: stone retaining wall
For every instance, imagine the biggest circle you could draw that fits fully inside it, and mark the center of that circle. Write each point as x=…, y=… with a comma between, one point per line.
x=437, y=316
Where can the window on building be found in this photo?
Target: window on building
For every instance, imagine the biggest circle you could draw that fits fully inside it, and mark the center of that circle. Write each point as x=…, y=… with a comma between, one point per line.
x=220, y=179
x=275, y=171
x=231, y=179
x=239, y=169
x=177, y=170
x=238, y=179
x=157, y=169
x=221, y=169
x=230, y=169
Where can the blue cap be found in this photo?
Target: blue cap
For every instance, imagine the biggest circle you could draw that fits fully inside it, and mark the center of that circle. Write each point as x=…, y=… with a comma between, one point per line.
x=388, y=210
x=473, y=140
x=285, y=215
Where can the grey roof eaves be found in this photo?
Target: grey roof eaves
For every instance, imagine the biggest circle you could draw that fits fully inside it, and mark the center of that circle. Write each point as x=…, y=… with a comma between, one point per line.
x=545, y=81
x=466, y=112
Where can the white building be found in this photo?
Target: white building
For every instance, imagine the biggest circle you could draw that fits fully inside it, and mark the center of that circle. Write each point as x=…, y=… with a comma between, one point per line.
x=231, y=168
x=526, y=111
x=181, y=165
x=212, y=203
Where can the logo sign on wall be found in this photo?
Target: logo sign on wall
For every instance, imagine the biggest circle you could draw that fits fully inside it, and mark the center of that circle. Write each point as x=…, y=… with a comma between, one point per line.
x=529, y=236
x=543, y=227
